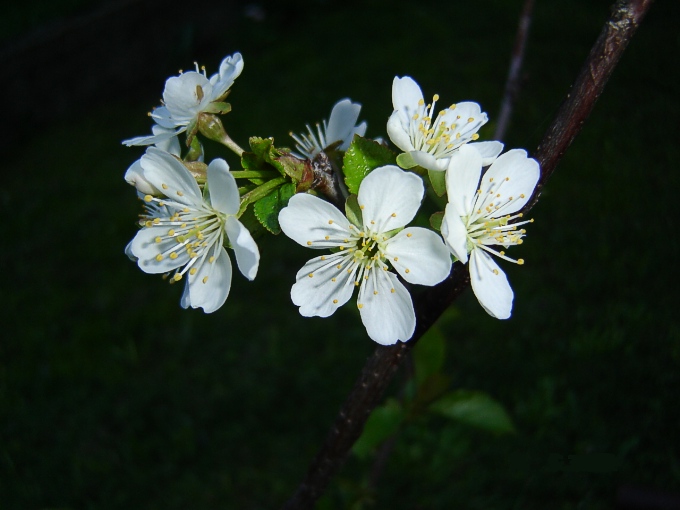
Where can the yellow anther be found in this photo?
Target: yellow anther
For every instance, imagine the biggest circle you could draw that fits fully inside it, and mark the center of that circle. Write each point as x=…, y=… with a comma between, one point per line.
x=458, y=116
x=159, y=257
x=520, y=261
x=394, y=215
x=396, y=259
x=392, y=291
x=327, y=238
x=164, y=186
x=158, y=239
x=334, y=280
x=310, y=275
x=193, y=271
x=148, y=198
x=349, y=271
x=211, y=259
x=179, y=193
x=339, y=266
x=185, y=210
x=502, y=253
x=475, y=136
x=205, y=279
x=173, y=255
x=375, y=292
x=342, y=248
x=457, y=136
x=495, y=271
x=471, y=119
x=309, y=243
x=507, y=178
x=323, y=257
x=409, y=235
x=360, y=305
x=421, y=102
x=330, y=222
x=148, y=223
x=372, y=222
x=435, y=97
x=177, y=277
x=335, y=301
x=521, y=196
x=407, y=270
x=498, y=195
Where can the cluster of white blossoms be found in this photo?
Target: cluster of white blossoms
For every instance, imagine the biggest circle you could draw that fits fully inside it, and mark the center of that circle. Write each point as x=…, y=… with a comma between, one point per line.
x=192, y=209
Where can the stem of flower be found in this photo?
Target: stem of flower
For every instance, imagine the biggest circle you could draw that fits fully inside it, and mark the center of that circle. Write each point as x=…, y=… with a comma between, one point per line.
x=379, y=369
x=254, y=174
x=259, y=192
x=231, y=144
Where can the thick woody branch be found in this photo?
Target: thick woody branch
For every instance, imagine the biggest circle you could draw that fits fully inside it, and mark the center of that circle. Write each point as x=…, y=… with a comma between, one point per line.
x=380, y=367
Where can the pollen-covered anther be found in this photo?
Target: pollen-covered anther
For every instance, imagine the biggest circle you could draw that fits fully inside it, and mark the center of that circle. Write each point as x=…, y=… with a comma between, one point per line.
x=148, y=198
x=310, y=275
x=177, y=277
x=335, y=301
x=520, y=261
x=359, y=305
x=330, y=222
x=309, y=243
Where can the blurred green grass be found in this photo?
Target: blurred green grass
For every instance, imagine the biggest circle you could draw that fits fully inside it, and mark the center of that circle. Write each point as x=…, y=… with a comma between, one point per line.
x=112, y=397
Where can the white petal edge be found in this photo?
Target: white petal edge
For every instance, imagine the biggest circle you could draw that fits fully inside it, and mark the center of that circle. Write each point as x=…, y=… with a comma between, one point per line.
x=462, y=179
x=386, y=308
x=209, y=287
x=224, y=195
x=135, y=177
x=488, y=150
x=315, y=294
x=419, y=255
x=245, y=247
x=398, y=134
x=389, y=198
x=491, y=289
x=307, y=220
x=454, y=232
x=161, y=168
x=522, y=174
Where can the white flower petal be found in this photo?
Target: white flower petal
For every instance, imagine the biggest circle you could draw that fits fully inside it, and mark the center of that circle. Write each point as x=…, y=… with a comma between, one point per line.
x=224, y=195
x=181, y=96
x=308, y=220
x=209, y=287
x=146, y=249
x=389, y=198
x=406, y=94
x=467, y=117
x=386, y=308
x=513, y=176
x=170, y=176
x=462, y=179
x=490, y=285
x=245, y=247
x=341, y=123
x=329, y=287
x=164, y=119
x=170, y=144
x=135, y=176
x=455, y=233
x=398, y=133
x=230, y=69
x=488, y=150
x=152, y=139
x=419, y=255
x=429, y=162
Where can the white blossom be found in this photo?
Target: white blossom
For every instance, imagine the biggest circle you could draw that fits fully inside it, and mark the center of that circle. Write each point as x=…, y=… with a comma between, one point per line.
x=482, y=214
x=184, y=231
x=188, y=95
x=430, y=141
x=363, y=254
x=341, y=127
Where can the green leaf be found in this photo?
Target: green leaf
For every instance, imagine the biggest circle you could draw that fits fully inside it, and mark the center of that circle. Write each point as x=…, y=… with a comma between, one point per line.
x=406, y=161
x=363, y=156
x=383, y=423
x=436, y=220
x=476, y=409
x=353, y=211
x=438, y=181
x=267, y=209
x=429, y=354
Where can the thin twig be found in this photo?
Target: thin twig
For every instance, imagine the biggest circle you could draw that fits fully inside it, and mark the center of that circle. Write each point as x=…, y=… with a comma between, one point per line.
x=380, y=367
x=512, y=82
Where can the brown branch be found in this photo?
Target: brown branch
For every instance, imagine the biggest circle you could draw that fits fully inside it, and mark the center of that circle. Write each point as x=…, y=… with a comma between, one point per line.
x=512, y=82
x=429, y=305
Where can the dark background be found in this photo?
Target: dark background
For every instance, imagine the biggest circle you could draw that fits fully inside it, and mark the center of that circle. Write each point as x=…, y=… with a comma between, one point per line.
x=112, y=396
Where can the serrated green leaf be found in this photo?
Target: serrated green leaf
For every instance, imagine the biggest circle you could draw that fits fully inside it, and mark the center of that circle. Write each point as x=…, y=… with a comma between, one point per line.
x=438, y=181
x=267, y=209
x=429, y=354
x=363, y=156
x=476, y=409
x=383, y=422
x=436, y=220
x=353, y=211
x=406, y=161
